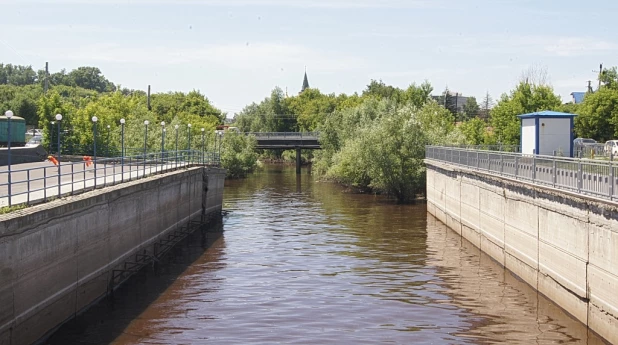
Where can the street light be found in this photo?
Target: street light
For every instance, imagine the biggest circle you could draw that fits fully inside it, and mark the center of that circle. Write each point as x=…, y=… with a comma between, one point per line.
x=51, y=136
x=189, y=144
x=162, y=140
x=107, y=144
x=220, y=141
x=9, y=115
x=94, y=145
x=146, y=123
x=202, y=146
x=122, y=149
x=59, y=118
x=176, y=129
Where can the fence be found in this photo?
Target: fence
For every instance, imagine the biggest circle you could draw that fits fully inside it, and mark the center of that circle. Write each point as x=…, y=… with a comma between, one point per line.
x=74, y=174
x=585, y=176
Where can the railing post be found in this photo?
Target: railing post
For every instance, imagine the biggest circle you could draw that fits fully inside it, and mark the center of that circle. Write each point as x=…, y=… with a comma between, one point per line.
x=554, y=172
x=534, y=167
x=579, y=176
x=501, y=163
x=516, y=167
x=611, y=178
x=478, y=164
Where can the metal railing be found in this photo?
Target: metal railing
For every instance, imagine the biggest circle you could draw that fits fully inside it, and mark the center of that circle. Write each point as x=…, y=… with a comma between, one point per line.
x=74, y=174
x=282, y=135
x=585, y=176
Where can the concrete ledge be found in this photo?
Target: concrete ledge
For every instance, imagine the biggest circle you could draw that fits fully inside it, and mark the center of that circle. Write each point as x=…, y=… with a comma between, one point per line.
x=561, y=243
x=57, y=258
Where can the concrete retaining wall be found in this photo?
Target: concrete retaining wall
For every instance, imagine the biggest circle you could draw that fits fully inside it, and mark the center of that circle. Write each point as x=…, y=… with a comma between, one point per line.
x=56, y=258
x=563, y=244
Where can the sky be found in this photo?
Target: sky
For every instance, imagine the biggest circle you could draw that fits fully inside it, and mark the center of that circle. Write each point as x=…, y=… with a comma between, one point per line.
x=237, y=51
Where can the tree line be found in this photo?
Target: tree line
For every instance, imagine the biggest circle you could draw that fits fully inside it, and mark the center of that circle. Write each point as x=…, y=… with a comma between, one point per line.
x=85, y=92
x=376, y=140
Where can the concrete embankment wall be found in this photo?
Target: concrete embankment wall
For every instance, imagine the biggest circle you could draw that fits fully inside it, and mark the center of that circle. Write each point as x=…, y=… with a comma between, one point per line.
x=563, y=244
x=56, y=258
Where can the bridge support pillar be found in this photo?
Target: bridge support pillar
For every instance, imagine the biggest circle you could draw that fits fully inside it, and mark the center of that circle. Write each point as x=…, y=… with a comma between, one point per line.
x=298, y=161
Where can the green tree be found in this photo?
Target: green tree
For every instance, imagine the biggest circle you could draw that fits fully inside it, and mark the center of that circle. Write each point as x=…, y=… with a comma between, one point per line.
x=598, y=115
x=475, y=131
x=470, y=110
x=525, y=98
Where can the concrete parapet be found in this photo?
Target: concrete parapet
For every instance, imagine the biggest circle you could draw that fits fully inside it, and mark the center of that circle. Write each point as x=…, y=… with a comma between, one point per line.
x=56, y=258
x=563, y=244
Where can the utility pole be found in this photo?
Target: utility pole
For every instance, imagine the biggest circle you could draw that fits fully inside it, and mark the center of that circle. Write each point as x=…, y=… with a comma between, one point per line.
x=46, y=87
x=149, y=98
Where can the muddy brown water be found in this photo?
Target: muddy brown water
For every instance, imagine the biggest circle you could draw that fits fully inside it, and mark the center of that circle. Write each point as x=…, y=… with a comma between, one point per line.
x=303, y=262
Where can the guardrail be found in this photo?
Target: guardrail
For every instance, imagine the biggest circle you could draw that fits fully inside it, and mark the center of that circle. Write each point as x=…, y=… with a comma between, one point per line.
x=77, y=174
x=585, y=176
x=291, y=135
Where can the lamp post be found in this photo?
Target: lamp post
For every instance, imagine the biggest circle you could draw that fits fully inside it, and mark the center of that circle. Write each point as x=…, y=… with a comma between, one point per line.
x=122, y=141
x=9, y=115
x=51, y=136
x=162, y=140
x=58, y=119
x=146, y=123
x=203, y=146
x=220, y=141
x=176, y=129
x=107, y=144
x=94, y=145
x=122, y=150
x=189, y=143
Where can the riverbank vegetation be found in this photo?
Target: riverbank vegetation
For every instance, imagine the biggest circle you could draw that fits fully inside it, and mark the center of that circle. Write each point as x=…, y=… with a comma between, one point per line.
x=84, y=92
x=375, y=140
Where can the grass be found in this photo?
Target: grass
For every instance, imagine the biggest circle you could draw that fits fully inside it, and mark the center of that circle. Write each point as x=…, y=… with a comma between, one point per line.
x=9, y=209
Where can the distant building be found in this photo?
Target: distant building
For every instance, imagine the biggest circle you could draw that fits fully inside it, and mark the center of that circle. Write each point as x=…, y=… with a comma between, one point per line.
x=578, y=97
x=305, y=82
x=457, y=100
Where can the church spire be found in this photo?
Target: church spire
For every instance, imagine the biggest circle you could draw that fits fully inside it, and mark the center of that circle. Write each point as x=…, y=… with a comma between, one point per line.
x=305, y=81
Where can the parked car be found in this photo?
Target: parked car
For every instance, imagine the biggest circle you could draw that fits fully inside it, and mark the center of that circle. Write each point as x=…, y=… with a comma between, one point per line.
x=584, y=142
x=611, y=147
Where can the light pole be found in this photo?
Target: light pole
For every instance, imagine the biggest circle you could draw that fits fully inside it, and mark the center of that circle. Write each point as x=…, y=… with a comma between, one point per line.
x=162, y=140
x=220, y=140
x=94, y=145
x=107, y=144
x=122, y=141
x=58, y=119
x=51, y=136
x=189, y=144
x=122, y=150
x=8, y=115
x=146, y=123
x=203, y=146
x=176, y=129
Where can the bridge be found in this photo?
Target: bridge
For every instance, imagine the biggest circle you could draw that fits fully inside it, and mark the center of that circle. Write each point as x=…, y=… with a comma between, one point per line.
x=288, y=141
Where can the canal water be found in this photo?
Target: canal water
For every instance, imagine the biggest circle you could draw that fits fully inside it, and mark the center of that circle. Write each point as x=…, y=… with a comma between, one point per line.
x=304, y=262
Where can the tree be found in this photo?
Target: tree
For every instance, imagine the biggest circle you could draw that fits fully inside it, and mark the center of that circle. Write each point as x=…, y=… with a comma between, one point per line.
x=474, y=130
x=609, y=78
x=90, y=78
x=598, y=115
x=470, y=110
x=487, y=104
x=525, y=98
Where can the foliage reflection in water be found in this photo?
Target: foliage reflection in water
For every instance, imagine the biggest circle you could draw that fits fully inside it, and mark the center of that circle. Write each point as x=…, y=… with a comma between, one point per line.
x=302, y=262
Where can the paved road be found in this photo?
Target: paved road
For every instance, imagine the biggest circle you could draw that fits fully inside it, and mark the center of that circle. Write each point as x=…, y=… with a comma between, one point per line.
x=36, y=182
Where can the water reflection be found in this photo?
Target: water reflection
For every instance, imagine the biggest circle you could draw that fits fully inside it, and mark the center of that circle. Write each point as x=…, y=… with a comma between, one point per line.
x=310, y=263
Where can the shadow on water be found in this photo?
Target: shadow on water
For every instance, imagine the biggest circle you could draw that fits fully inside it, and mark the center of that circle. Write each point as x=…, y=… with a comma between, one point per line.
x=107, y=320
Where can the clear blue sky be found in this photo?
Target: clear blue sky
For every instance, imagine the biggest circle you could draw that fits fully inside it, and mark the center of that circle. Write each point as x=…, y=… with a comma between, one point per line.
x=237, y=51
